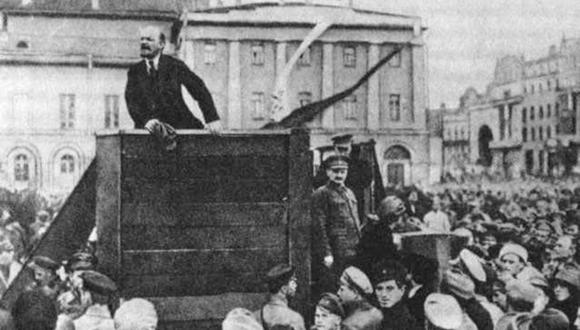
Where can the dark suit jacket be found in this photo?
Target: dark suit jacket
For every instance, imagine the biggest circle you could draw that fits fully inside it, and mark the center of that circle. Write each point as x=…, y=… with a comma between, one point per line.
x=148, y=98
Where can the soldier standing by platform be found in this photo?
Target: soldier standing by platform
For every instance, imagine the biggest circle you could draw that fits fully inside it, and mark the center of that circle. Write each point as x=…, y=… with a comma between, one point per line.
x=336, y=225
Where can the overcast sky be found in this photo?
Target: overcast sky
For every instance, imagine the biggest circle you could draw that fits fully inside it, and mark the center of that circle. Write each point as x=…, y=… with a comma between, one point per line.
x=465, y=37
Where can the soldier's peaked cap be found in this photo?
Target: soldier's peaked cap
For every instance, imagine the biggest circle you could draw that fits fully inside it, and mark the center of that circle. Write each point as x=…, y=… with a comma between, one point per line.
x=280, y=273
x=99, y=283
x=45, y=262
x=336, y=161
x=341, y=138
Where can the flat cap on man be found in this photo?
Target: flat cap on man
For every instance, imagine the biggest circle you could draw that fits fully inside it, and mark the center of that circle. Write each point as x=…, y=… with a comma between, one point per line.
x=459, y=284
x=443, y=311
x=331, y=303
x=336, y=161
x=82, y=261
x=518, y=290
x=569, y=275
x=341, y=138
x=357, y=280
x=98, y=283
x=44, y=262
x=472, y=263
x=514, y=249
x=240, y=319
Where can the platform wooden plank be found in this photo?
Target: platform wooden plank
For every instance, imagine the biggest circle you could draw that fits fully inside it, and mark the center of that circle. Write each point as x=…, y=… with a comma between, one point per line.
x=174, y=237
x=205, y=215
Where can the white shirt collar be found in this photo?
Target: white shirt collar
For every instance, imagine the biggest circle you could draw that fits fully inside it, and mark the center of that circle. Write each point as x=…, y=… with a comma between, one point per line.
x=155, y=62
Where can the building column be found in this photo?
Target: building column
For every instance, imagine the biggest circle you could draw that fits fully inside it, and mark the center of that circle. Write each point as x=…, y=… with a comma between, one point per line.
x=234, y=91
x=373, y=101
x=328, y=83
x=417, y=107
x=280, y=64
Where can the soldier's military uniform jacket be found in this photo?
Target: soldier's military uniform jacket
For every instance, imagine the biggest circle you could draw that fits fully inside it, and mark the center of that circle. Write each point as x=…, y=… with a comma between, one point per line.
x=337, y=228
x=277, y=312
x=362, y=315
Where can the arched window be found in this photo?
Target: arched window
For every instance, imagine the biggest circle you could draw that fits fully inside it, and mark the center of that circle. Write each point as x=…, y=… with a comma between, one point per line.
x=21, y=168
x=67, y=164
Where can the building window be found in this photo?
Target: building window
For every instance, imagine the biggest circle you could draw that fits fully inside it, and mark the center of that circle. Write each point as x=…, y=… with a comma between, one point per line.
x=524, y=134
x=557, y=109
x=548, y=110
x=304, y=98
x=22, y=44
x=533, y=134
x=209, y=53
x=532, y=87
x=67, y=111
x=258, y=54
x=350, y=108
x=67, y=164
x=525, y=90
x=395, y=62
x=349, y=56
x=258, y=109
x=532, y=113
x=540, y=134
x=541, y=112
x=21, y=168
x=462, y=134
x=395, y=107
x=304, y=59
x=111, y=111
x=557, y=129
x=549, y=85
x=548, y=132
x=4, y=21
x=524, y=115
x=540, y=87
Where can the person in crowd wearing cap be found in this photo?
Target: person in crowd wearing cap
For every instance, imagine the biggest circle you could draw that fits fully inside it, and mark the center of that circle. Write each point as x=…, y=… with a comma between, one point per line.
x=45, y=275
x=336, y=224
x=444, y=312
x=136, y=314
x=355, y=293
x=436, y=219
x=40, y=225
x=103, y=302
x=33, y=310
x=550, y=319
x=462, y=288
x=240, y=319
x=389, y=284
x=566, y=291
x=329, y=313
x=75, y=300
x=564, y=252
x=376, y=243
x=360, y=173
x=421, y=279
x=282, y=285
x=473, y=266
x=514, y=263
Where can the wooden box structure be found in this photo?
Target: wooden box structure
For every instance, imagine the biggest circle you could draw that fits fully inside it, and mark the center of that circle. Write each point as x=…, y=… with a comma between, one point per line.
x=196, y=229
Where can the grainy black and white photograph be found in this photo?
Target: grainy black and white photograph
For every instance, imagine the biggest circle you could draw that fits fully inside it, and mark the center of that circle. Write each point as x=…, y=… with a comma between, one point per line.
x=289, y=164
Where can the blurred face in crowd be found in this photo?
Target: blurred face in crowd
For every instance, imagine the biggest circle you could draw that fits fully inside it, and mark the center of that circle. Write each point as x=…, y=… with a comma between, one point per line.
x=413, y=197
x=564, y=248
x=512, y=263
x=488, y=241
x=6, y=252
x=325, y=320
x=343, y=149
x=542, y=235
x=337, y=174
x=500, y=299
x=572, y=229
x=43, y=276
x=291, y=287
x=436, y=204
x=346, y=293
x=389, y=293
x=561, y=291
x=542, y=206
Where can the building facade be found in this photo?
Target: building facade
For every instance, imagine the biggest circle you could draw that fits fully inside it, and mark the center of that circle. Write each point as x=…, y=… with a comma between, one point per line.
x=525, y=122
x=67, y=74
x=241, y=51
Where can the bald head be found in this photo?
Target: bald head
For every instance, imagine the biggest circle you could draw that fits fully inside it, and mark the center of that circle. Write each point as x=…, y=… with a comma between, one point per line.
x=565, y=247
x=152, y=42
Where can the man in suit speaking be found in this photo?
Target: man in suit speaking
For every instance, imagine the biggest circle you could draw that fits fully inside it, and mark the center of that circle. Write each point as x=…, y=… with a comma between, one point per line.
x=153, y=93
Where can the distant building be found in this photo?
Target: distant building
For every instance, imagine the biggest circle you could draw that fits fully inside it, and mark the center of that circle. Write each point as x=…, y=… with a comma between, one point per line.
x=525, y=122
